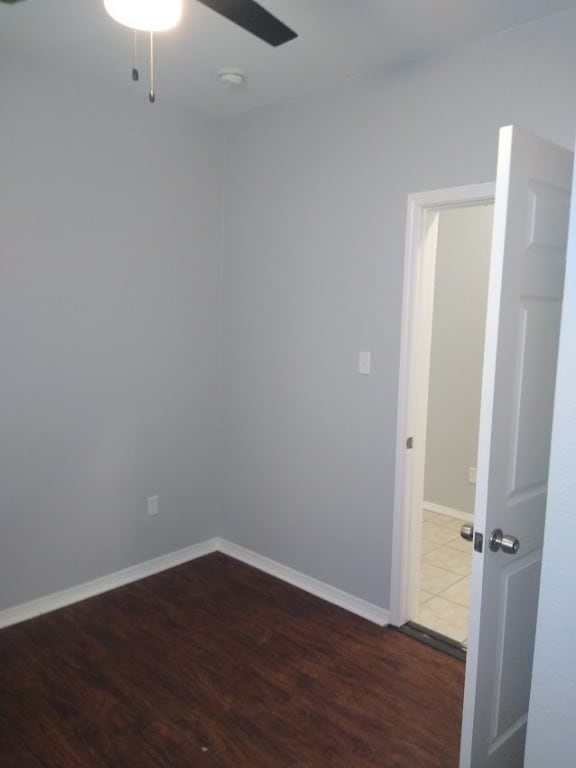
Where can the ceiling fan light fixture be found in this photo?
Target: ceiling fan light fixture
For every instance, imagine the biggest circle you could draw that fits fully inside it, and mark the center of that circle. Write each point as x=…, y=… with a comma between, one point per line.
x=145, y=15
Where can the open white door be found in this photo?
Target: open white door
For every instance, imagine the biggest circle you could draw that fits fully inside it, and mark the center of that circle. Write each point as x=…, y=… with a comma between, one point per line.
x=523, y=318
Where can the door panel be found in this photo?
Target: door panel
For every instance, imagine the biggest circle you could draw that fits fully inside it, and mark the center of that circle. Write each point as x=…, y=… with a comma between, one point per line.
x=523, y=319
x=534, y=394
x=517, y=620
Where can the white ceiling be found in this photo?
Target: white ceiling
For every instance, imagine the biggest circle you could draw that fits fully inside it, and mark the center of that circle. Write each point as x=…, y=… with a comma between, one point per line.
x=338, y=40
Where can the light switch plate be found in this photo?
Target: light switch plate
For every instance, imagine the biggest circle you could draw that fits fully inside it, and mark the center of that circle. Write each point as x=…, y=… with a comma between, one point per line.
x=365, y=362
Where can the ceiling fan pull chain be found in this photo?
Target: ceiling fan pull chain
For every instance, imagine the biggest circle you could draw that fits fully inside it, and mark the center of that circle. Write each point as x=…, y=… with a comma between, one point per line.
x=135, y=73
x=152, y=95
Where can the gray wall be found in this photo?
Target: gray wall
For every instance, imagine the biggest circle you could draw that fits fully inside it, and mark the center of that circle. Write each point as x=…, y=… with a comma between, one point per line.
x=456, y=354
x=550, y=739
x=315, y=211
x=109, y=332
x=110, y=308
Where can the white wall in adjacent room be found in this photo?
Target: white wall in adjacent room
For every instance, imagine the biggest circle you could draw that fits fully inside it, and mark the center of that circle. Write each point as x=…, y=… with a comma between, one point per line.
x=456, y=355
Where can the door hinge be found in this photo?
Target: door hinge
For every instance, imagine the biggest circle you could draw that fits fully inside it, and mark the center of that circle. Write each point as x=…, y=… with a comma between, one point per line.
x=410, y=443
x=478, y=542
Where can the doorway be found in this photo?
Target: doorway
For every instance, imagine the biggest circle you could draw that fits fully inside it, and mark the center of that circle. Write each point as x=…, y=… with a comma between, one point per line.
x=448, y=251
x=527, y=263
x=461, y=259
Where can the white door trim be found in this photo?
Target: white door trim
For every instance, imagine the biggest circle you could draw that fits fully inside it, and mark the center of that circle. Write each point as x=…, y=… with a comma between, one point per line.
x=412, y=410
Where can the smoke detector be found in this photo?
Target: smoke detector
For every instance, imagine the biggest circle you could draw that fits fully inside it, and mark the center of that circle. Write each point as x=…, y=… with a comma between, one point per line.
x=232, y=77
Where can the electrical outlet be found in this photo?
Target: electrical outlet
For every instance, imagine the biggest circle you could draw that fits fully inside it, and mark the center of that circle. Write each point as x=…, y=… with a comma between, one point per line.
x=472, y=475
x=152, y=506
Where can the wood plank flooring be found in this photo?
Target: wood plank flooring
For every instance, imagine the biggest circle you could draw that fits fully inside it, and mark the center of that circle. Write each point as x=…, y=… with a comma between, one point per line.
x=216, y=665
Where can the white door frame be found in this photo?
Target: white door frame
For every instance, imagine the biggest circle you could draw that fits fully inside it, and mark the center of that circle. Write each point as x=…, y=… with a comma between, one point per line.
x=419, y=272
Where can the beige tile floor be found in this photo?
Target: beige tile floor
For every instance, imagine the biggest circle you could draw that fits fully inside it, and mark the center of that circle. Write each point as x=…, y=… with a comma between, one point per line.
x=445, y=568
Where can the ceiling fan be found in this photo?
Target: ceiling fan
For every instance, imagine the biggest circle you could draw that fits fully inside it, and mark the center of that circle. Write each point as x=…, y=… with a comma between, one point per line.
x=157, y=15
x=247, y=14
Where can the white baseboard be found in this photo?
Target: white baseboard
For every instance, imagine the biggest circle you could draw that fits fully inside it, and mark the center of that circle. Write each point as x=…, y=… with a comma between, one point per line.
x=66, y=597
x=331, y=594
x=448, y=511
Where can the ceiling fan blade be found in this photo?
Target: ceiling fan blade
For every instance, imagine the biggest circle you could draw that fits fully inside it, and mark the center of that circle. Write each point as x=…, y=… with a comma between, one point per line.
x=250, y=15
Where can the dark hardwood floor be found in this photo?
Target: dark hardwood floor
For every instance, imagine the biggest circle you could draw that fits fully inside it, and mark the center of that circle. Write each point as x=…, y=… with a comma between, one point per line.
x=217, y=664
